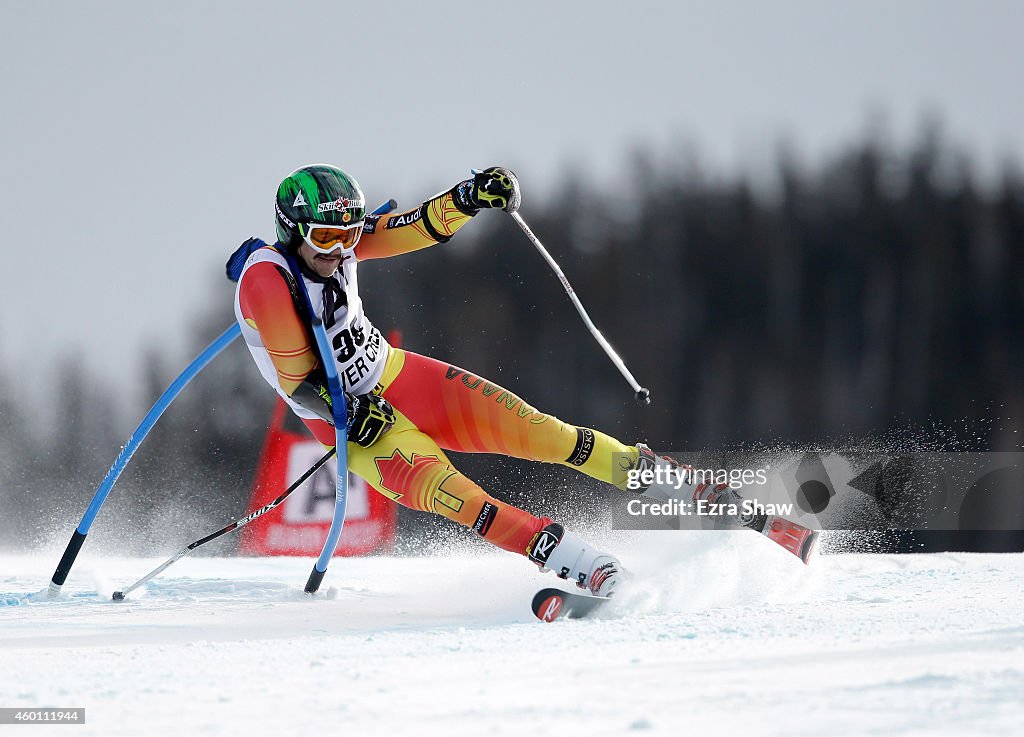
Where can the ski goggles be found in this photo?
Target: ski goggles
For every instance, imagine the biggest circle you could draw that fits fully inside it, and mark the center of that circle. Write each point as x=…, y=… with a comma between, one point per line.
x=329, y=238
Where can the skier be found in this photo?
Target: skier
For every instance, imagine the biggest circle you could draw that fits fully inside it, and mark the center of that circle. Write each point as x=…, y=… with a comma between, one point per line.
x=405, y=409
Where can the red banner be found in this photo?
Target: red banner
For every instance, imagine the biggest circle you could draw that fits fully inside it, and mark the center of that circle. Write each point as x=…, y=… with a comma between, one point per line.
x=300, y=525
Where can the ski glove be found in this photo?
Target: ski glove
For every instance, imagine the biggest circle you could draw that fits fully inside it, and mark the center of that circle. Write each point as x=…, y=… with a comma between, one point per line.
x=494, y=187
x=369, y=416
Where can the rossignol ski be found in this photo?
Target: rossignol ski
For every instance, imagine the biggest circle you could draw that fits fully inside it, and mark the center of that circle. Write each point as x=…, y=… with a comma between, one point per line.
x=799, y=540
x=551, y=604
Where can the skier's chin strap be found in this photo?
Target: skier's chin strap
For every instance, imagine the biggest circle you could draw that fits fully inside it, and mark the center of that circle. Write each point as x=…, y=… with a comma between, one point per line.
x=334, y=294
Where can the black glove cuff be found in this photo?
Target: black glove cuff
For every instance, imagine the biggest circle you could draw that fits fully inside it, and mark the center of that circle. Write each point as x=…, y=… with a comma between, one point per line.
x=462, y=196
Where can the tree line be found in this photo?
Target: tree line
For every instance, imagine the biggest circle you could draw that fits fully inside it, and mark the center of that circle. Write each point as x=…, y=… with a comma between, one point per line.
x=878, y=294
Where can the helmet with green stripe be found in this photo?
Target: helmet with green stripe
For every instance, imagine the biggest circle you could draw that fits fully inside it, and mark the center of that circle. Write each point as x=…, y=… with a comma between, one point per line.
x=317, y=195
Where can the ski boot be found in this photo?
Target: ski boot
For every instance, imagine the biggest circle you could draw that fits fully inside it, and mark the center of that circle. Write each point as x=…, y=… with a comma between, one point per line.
x=722, y=500
x=571, y=558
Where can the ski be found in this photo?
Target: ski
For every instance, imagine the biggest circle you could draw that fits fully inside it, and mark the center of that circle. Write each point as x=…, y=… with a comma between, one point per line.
x=551, y=604
x=797, y=539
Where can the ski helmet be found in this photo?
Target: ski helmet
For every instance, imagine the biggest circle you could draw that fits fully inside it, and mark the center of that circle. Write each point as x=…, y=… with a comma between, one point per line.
x=318, y=194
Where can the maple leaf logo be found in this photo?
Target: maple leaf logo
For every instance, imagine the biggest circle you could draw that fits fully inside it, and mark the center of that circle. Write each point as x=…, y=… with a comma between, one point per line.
x=420, y=478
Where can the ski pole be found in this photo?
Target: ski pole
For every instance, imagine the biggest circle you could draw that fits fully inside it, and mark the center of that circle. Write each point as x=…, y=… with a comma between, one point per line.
x=119, y=595
x=643, y=394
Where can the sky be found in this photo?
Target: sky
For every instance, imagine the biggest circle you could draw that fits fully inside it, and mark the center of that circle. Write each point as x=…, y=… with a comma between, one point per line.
x=143, y=141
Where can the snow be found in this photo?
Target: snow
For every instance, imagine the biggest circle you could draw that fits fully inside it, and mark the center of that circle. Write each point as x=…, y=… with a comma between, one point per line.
x=718, y=634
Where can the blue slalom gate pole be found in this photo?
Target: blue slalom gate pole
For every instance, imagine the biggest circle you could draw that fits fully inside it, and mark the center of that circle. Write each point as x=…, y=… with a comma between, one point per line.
x=170, y=394
x=339, y=411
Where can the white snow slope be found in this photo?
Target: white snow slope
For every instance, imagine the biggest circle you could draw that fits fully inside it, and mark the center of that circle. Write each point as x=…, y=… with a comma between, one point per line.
x=720, y=634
